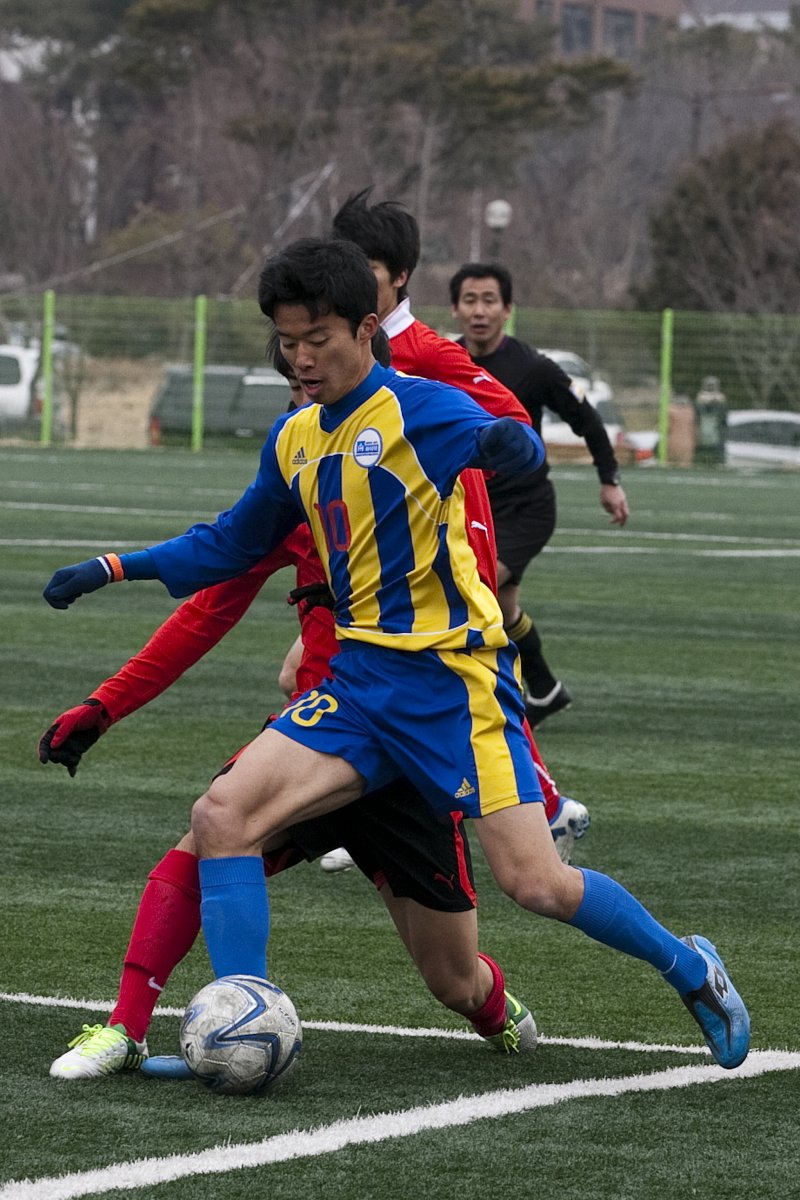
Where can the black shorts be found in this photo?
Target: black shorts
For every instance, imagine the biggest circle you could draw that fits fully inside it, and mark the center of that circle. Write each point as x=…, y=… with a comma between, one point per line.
x=394, y=837
x=524, y=520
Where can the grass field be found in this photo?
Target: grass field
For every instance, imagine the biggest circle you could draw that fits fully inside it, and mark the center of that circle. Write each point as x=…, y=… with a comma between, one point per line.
x=679, y=638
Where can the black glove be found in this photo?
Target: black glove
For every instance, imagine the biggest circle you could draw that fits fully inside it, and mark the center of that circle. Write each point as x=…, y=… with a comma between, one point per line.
x=509, y=447
x=69, y=583
x=312, y=595
x=72, y=734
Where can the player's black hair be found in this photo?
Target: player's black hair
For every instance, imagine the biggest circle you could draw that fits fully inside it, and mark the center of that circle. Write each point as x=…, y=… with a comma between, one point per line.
x=386, y=232
x=325, y=276
x=482, y=271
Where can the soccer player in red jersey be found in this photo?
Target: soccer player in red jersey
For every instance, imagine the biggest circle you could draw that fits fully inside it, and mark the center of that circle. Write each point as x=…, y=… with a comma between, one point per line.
x=389, y=236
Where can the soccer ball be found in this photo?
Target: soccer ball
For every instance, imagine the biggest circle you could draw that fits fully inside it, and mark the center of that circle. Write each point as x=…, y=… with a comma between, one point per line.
x=240, y=1034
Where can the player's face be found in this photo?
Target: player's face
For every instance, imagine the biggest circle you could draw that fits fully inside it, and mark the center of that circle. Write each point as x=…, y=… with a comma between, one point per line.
x=481, y=313
x=328, y=360
x=387, y=287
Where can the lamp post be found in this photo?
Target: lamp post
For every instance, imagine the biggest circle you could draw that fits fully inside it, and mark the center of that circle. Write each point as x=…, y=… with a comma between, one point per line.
x=497, y=215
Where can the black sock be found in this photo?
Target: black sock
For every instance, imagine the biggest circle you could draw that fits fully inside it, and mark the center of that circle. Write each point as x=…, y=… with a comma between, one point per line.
x=535, y=671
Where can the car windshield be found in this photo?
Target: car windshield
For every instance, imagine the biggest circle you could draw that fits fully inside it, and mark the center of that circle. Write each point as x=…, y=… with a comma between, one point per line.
x=607, y=413
x=9, y=370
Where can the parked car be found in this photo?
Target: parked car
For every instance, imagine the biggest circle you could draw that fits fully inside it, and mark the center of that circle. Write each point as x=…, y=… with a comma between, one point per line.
x=628, y=444
x=761, y=437
x=237, y=403
x=18, y=370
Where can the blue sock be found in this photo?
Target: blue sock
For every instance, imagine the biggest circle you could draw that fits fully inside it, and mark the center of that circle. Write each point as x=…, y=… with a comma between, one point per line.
x=235, y=913
x=611, y=915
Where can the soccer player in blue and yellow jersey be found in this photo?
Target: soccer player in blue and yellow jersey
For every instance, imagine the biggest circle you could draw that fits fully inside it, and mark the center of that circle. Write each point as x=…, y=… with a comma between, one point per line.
x=426, y=684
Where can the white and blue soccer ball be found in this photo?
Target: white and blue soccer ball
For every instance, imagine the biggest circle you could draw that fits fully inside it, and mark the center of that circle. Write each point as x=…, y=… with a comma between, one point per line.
x=240, y=1035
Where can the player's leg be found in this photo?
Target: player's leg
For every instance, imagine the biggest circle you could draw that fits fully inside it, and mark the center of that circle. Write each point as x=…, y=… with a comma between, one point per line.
x=420, y=861
x=276, y=781
x=524, y=524
x=164, y=930
x=444, y=947
x=520, y=852
x=483, y=744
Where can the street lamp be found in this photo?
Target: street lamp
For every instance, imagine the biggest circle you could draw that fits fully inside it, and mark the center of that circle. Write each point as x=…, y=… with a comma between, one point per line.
x=497, y=215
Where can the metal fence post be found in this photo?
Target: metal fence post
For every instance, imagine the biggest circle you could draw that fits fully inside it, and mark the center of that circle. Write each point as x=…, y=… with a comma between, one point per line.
x=48, y=322
x=200, y=306
x=665, y=392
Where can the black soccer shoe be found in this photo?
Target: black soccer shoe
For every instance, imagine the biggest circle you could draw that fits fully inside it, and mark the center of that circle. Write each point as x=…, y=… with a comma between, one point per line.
x=538, y=709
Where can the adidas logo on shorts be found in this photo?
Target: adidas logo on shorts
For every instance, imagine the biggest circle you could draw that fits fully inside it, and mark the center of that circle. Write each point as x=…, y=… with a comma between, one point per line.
x=466, y=789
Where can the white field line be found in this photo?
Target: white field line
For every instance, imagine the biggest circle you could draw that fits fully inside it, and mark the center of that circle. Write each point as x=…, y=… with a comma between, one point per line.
x=564, y=531
x=360, y=1131
x=788, y=552
x=164, y=1010
x=668, y=551
x=105, y=510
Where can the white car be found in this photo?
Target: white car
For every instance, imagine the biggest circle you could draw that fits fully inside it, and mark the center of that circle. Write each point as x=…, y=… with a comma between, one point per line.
x=761, y=437
x=588, y=385
x=18, y=367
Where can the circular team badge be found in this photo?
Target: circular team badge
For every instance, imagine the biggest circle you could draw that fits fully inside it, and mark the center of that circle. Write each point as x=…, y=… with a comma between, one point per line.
x=368, y=448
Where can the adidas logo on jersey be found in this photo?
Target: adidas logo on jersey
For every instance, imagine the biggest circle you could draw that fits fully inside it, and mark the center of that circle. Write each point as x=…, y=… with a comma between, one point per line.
x=300, y=459
x=466, y=789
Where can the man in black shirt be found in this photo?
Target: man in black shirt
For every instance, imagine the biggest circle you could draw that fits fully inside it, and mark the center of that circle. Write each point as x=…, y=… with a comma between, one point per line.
x=525, y=510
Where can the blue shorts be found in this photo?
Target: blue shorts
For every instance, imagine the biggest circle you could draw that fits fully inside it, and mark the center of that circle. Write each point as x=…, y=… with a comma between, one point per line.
x=450, y=721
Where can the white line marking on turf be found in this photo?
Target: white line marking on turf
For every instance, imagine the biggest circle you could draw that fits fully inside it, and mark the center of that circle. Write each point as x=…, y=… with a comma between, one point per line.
x=788, y=552
x=164, y=1010
x=360, y=1131
x=103, y=509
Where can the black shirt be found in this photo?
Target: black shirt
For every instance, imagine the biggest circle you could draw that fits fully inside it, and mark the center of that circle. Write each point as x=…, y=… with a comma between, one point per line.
x=539, y=383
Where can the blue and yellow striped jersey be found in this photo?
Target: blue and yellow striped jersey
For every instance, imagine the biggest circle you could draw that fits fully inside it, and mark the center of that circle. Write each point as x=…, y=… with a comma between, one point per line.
x=376, y=477
x=379, y=489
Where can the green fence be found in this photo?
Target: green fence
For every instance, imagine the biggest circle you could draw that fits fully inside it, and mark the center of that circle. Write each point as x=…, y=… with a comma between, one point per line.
x=105, y=356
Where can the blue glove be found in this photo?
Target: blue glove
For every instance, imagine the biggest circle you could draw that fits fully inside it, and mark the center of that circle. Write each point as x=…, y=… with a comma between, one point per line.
x=509, y=447
x=69, y=583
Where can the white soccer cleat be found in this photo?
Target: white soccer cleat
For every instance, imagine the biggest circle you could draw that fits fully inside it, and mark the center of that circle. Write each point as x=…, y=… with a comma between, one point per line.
x=336, y=860
x=99, y=1050
x=570, y=823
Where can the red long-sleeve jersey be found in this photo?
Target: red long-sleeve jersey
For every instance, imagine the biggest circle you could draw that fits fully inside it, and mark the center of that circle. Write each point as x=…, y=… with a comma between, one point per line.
x=419, y=350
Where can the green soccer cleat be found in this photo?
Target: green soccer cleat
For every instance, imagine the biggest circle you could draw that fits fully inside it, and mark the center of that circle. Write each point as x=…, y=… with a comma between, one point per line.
x=99, y=1050
x=518, y=1035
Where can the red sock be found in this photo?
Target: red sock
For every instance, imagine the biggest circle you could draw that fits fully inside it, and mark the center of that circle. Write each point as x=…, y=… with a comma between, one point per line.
x=166, y=925
x=551, y=793
x=490, y=1018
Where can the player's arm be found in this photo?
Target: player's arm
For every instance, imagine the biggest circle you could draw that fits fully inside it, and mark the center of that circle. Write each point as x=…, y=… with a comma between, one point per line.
x=206, y=554
x=188, y=634
x=450, y=363
x=584, y=420
x=451, y=432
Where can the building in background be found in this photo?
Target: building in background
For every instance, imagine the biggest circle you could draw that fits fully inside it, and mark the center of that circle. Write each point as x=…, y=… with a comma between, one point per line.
x=615, y=27
x=749, y=15
x=621, y=27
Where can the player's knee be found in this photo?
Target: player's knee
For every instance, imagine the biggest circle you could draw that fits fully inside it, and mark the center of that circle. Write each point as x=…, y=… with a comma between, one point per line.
x=214, y=827
x=555, y=893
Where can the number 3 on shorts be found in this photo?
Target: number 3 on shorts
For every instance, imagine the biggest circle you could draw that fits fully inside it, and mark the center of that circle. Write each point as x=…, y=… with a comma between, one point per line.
x=311, y=708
